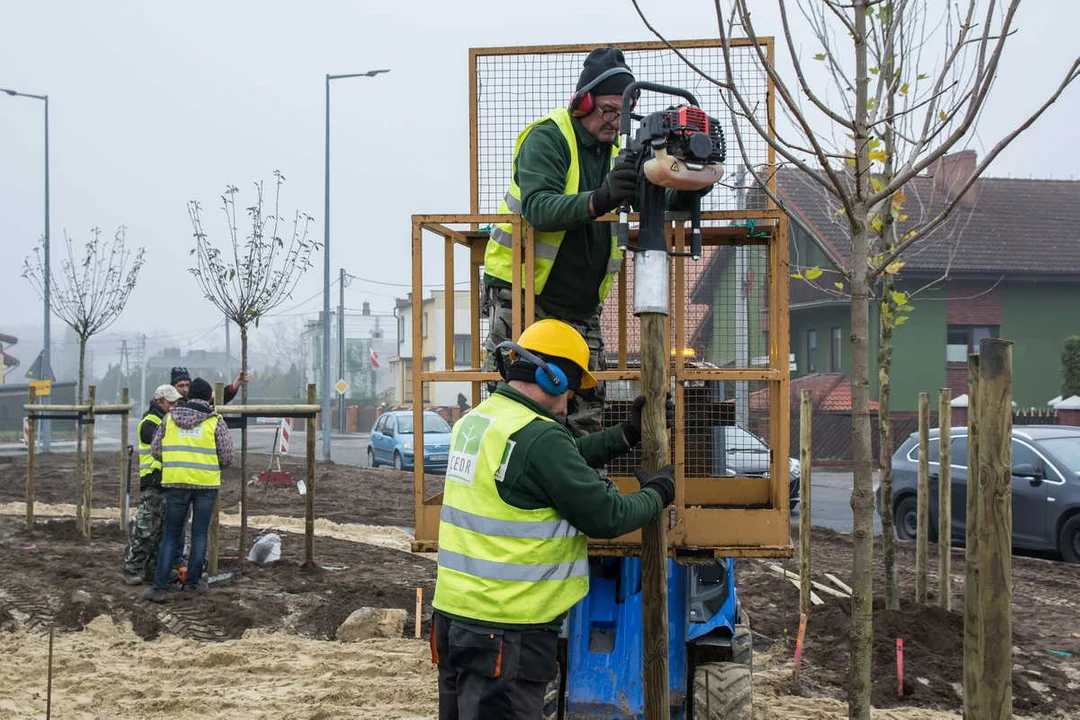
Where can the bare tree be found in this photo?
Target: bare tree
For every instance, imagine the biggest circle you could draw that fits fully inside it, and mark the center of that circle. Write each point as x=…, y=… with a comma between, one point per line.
x=252, y=276
x=88, y=296
x=943, y=71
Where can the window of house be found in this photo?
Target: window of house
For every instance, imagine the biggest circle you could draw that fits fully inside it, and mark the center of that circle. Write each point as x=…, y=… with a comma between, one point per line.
x=811, y=351
x=462, y=351
x=963, y=340
x=424, y=325
x=834, y=349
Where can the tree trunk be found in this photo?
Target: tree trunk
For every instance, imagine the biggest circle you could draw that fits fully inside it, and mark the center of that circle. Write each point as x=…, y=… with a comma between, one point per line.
x=243, y=444
x=862, y=491
x=922, y=502
x=79, y=474
x=944, y=499
x=885, y=451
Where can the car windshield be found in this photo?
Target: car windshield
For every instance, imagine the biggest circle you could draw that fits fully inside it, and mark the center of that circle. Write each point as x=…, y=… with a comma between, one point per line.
x=1066, y=450
x=432, y=424
x=740, y=440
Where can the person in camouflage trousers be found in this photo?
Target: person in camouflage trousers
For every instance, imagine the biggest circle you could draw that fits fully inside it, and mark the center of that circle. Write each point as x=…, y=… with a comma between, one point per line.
x=585, y=409
x=141, y=556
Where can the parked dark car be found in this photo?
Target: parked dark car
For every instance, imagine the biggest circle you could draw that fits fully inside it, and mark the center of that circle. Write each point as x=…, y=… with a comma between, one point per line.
x=392, y=441
x=1045, y=487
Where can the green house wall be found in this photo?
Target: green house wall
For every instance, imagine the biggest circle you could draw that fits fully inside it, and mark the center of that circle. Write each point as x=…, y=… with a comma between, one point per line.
x=1037, y=317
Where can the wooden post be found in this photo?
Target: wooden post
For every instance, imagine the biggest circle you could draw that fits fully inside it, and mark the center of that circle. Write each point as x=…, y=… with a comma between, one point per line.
x=804, y=501
x=31, y=456
x=88, y=481
x=944, y=498
x=309, y=496
x=213, y=543
x=973, y=629
x=922, y=531
x=654, y=455
x=124, y=460
x=995, y=526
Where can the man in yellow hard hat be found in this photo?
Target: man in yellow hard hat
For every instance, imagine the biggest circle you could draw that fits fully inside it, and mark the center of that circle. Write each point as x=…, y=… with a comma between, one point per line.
x=520, y=498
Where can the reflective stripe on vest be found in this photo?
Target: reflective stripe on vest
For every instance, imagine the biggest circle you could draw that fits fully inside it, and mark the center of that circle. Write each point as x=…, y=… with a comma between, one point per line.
x=147, y=462
x=499, y=563
x=189, y=455
x=498, y=255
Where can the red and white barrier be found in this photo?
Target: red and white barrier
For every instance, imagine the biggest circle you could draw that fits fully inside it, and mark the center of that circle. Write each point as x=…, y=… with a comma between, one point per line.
x=286, y=431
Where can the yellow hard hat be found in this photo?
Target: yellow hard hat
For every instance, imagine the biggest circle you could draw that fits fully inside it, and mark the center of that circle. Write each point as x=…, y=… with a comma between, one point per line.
x=557, y=339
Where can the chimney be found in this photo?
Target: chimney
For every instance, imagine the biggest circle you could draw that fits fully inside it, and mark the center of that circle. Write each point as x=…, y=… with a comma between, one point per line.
x=365, y=309
x=951, y=172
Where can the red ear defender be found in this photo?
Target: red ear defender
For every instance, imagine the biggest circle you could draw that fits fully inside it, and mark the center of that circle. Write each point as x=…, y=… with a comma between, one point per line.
x=581, y=104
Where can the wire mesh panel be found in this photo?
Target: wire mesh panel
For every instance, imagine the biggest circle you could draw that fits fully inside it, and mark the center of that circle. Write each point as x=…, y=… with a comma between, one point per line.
x=516, y=86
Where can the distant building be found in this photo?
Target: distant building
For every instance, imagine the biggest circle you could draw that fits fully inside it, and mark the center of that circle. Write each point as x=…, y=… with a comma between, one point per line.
x=432, y=353
x=370, y=341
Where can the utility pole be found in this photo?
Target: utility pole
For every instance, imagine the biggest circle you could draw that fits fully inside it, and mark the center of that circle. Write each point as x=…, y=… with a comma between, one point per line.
x=228, y=353
x=122, y=367
x=341, y=348
x=142, y=371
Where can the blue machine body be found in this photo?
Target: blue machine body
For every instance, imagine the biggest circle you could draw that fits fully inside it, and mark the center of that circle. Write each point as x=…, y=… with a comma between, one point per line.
x=604, y=675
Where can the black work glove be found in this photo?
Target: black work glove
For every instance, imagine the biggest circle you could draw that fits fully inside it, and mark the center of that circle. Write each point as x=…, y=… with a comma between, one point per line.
x=619, y=185
x=685, y=199
x=662, y=481
x=632, y=427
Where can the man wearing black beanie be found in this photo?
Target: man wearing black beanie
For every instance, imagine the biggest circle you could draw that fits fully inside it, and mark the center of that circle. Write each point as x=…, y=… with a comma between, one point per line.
x=566, y=173
x=192, y=444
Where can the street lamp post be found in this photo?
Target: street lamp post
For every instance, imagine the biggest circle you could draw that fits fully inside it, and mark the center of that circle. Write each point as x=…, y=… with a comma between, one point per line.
x=46, y=350
x=326, y=269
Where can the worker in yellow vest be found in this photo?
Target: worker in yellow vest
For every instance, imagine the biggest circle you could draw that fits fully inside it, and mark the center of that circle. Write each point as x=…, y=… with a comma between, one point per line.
x=193, y=445
x=520, y=498
x=146, y=535
x=565, y=174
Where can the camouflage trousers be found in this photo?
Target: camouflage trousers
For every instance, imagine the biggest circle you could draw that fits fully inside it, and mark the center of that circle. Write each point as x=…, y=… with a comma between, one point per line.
x=142, y=553
x=585, y=411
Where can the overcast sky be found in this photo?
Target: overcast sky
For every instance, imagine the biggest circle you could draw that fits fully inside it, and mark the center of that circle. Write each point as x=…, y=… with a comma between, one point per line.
x=153, y=104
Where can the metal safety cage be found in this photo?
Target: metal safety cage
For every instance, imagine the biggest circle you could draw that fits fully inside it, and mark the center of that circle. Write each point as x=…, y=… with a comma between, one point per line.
x=727, y=329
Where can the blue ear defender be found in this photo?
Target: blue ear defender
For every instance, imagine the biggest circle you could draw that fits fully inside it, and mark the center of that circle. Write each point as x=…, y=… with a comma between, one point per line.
x=549, y=376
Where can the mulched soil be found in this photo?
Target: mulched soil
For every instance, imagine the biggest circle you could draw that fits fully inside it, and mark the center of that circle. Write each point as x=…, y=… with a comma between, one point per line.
x=1046, y=613
x=50, y=576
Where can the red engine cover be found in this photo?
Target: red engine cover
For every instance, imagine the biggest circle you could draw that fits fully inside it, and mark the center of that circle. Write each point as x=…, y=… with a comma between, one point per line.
x=693, y=119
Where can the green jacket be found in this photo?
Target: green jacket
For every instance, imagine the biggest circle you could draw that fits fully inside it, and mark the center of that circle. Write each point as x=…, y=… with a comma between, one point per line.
x=551, y=468
x=540, y=172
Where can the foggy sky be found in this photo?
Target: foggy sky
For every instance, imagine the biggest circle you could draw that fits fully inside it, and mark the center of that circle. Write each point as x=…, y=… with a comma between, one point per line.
x=155, y=104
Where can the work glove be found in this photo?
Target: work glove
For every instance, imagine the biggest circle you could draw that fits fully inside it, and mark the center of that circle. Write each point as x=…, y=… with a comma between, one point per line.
x=662, y=481
x=685, y=199
x=632, y=427
x=619, y=185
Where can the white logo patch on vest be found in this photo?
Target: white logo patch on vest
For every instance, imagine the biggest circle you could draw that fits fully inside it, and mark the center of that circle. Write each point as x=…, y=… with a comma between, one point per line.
x=464, y=455
x=505, y=460
x=191, y=432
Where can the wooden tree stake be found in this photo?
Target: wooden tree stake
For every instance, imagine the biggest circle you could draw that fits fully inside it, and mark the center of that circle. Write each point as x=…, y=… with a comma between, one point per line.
x=995, y=527
x=805, y=436
x=309, y=496
x=31, y=455
x=922, y=530
x=973, y=630
x=945, y=499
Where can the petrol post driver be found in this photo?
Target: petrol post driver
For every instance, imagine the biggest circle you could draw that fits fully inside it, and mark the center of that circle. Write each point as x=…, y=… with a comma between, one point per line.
x=680, y=148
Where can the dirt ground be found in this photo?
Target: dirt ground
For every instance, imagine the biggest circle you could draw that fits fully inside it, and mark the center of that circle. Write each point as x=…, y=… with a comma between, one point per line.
x=260, y=643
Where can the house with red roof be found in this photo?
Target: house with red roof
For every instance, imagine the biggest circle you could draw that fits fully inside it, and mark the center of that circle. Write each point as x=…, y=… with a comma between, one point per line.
x=1006, y=263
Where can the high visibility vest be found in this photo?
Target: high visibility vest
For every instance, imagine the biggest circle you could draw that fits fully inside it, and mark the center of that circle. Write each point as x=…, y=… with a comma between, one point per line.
x=498, y=255
x=499, y=563
x=189, y=455
x=147, y=462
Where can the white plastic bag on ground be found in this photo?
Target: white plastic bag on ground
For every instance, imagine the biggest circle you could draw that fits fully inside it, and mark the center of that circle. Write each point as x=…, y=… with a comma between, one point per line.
x=267, y=548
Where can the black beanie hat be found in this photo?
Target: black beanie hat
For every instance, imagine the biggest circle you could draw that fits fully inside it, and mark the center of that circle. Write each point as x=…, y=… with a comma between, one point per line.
x=599, y=61
x=201, y=390
x=179, y=374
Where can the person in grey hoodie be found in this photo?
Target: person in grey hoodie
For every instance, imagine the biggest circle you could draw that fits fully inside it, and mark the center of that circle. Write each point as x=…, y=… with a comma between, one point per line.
x=193, y=445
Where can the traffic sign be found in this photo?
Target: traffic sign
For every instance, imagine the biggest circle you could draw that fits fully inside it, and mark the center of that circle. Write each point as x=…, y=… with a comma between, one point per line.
x=41, y=387
x=341, y=386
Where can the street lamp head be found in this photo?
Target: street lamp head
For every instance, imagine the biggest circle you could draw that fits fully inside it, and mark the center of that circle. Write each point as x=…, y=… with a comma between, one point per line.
x=373, y=73
x=10, y=92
